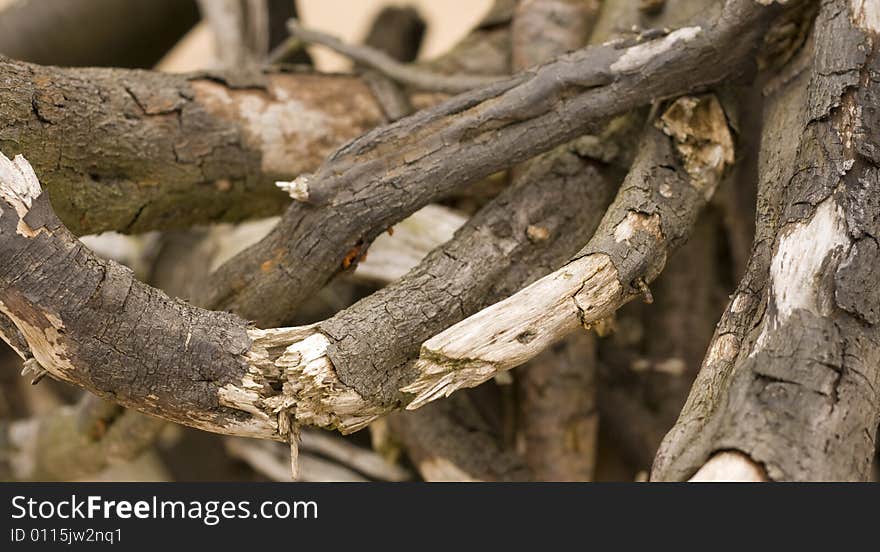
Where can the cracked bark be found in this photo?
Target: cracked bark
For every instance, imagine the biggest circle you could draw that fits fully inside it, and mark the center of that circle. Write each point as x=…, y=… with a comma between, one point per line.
x=276, y=382
x=134, y=151
x=556, y=419
x=790, y=380
x=671, y=179
x=99, y=315
x=182, y=262
x=372, y=345
x=246, y=362
x=354, y=197
x=435, y=439
x=651, y=357
x=653, y=352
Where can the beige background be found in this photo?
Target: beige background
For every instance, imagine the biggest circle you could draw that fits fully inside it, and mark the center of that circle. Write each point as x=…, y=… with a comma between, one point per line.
x=448, y=20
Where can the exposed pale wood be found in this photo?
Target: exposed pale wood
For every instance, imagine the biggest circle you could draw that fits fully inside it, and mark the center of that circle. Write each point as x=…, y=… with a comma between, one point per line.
x=791, y=378
x=729, y=467
x=369, y=185
x=671, y=179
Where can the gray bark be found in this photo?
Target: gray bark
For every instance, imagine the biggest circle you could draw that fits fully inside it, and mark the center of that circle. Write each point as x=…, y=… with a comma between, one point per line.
x=791, y=377
x=355, y=196
x=375, y=342
x=134, y=151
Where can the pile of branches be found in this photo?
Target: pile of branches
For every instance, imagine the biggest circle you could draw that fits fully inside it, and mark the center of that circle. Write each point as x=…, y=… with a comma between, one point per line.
x=666, y=213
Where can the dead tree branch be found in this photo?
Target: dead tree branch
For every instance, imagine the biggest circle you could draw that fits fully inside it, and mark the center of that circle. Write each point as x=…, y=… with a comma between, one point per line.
x=174, y=150
x=181, y=150
x=790, y=381
x=90, y=322
x=390, y=172
x=675, y=173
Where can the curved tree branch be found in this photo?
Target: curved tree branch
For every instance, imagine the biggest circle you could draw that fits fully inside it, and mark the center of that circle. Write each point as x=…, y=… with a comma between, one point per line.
x=390, y=172
x=126, y=341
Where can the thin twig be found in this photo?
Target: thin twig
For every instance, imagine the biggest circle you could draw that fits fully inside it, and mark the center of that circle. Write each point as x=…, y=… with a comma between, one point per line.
x=415, y=77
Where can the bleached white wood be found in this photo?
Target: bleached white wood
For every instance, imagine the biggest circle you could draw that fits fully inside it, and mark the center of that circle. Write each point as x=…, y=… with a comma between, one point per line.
x=512, y=331
x=729, y=467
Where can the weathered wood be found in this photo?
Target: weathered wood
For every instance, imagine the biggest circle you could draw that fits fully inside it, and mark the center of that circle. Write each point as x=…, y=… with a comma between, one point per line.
x=791, y=378
x=133, y=151
x=556, y=422
x=137, y=151
x=392, y=171
x=653, y=352
x=675, y=173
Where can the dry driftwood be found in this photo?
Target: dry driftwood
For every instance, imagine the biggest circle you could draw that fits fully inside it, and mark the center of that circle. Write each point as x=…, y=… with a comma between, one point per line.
x=354, y=197
x=181, y=150
x=436, y=440
x=680, y=161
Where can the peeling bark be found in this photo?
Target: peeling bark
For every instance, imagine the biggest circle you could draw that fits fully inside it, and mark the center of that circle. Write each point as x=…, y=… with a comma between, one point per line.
x=790, y=380
x=372, y=345
x=788, y=388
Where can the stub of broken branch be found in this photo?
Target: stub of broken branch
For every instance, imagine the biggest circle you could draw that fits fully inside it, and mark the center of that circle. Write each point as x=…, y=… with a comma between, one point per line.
x=392, y=171
x=297, y=189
